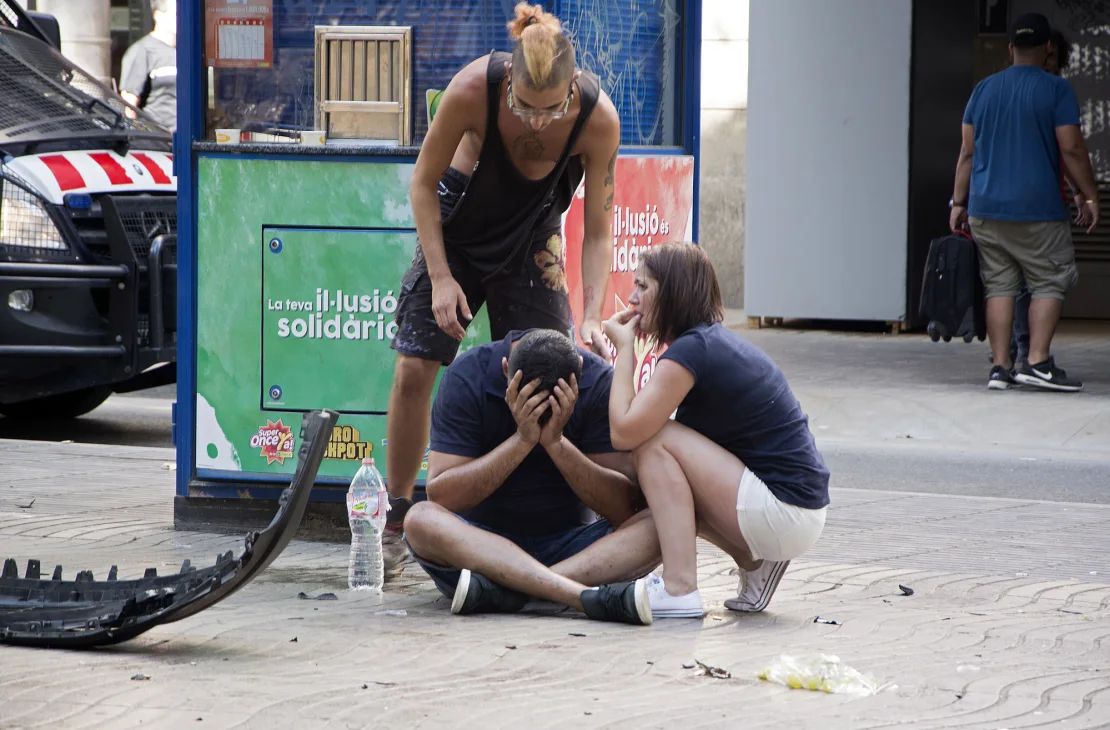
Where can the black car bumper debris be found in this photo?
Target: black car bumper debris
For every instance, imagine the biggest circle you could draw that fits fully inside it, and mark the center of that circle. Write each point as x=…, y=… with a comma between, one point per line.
x=85, y=612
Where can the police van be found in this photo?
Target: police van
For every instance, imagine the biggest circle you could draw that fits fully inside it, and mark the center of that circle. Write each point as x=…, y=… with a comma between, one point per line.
x=88, y=233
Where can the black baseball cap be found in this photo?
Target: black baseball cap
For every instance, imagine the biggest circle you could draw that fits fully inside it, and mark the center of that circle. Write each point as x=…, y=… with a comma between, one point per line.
x=1030, y=29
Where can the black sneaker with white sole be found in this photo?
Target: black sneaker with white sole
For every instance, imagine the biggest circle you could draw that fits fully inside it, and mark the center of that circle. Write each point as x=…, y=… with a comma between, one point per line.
x=478, y=594
x=623, y=602
x=1000, y=379
x=1047, y=376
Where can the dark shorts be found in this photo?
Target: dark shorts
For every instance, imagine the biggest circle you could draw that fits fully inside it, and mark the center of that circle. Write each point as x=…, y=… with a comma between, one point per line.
x=548, y=549
x=535, y=295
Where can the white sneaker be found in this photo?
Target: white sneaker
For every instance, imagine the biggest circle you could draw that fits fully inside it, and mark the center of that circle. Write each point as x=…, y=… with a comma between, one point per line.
x=664, y=605
x=757, y=586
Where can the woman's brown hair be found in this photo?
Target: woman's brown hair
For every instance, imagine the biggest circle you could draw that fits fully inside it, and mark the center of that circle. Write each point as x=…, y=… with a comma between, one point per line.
x=542, y=55
x=688, y=293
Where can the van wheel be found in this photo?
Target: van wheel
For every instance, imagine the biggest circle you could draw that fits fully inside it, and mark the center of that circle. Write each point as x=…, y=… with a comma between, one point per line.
x=63, y=405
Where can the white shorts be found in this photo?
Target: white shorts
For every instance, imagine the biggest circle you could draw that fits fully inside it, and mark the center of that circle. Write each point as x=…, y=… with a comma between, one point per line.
x=774, y=530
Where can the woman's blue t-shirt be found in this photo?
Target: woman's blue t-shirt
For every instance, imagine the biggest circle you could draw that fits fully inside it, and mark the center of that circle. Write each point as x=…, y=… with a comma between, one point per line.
x=742, y=402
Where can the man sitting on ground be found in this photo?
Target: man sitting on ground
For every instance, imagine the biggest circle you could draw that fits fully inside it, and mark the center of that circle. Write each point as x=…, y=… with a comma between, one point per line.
x=519, y=450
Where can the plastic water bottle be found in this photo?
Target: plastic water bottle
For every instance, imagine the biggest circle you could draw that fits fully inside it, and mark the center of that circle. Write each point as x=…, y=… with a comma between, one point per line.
x=367, y=503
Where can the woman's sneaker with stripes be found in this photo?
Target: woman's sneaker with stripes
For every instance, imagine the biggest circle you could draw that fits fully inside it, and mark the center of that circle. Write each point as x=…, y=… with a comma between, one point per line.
x=1046, y=375
x=757, y=586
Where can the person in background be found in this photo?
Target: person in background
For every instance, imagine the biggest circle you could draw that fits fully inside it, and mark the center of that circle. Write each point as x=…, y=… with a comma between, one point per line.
x=512, y=138
x=1018, y=126
x=1059, y=53
x=148, y=75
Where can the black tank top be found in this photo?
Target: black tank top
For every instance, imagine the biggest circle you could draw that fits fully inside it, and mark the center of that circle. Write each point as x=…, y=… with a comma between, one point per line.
x=501, y=211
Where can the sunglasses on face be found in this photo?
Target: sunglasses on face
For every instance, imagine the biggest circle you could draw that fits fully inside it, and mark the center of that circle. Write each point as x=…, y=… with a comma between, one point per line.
x=527, y=112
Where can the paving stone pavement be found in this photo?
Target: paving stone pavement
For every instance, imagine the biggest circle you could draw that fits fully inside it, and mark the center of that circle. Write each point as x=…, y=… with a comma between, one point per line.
x=1008, y=627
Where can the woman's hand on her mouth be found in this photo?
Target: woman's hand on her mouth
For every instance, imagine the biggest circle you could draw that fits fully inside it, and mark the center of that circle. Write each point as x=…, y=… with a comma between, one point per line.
x=622, y=327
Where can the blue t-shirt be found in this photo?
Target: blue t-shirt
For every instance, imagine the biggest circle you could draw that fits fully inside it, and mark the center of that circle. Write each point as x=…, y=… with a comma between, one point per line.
x=1015, y=174
x=470, y=418
x=741, y=401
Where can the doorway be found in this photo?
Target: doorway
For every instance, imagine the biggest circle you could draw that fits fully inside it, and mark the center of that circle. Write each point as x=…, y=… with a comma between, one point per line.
x=956, y=44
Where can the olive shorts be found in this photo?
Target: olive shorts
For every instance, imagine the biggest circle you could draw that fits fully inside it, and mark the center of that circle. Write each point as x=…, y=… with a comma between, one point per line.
x=1040, y=251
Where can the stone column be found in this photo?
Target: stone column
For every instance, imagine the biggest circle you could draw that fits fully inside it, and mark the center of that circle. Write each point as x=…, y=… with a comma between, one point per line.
x=86, y=33
x=724, y=131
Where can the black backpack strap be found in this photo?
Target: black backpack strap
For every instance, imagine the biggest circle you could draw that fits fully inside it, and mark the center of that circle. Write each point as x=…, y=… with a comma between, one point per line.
x=495, y=73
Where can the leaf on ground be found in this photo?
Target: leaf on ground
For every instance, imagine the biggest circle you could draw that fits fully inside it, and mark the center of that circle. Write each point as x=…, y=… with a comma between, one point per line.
x=707, y=670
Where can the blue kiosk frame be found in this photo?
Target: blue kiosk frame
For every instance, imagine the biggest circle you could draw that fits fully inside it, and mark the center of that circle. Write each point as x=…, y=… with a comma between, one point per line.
x=227, y=495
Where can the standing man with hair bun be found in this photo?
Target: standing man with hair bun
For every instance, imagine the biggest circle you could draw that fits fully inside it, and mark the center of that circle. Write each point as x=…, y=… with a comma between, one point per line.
x=514, y=135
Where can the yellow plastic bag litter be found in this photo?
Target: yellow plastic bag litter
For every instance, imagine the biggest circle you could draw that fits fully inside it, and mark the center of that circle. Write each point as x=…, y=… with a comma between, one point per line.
x=820, y=673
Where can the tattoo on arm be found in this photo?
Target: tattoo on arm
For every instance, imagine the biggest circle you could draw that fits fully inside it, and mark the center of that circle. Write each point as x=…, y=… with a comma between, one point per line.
x=610, y=178
x=587, y=297
x=612, y=169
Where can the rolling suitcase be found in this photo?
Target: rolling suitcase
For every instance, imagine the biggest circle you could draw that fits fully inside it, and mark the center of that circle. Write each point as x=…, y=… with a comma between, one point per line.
x=952, y=290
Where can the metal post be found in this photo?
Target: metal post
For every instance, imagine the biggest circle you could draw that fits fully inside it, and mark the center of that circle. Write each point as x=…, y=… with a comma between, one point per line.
x=691, y=128
x=190, y=126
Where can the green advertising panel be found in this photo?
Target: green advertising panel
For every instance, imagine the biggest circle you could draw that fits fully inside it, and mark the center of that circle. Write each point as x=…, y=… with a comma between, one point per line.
x=299, y=264
x=328, y=299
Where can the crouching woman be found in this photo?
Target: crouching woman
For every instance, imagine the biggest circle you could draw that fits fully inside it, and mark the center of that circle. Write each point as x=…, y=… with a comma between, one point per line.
x=738, y=464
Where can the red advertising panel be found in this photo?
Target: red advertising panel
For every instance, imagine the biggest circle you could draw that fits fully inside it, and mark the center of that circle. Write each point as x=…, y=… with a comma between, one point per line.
x=652, y=204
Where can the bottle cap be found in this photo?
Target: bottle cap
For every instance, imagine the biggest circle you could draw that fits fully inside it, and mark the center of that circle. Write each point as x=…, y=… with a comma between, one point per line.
x=368, y=461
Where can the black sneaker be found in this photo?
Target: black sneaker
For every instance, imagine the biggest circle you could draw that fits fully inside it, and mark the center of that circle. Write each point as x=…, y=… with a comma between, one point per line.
x=1046, y=375
x=478, y=594
x=624, y=602
x=1000, y=379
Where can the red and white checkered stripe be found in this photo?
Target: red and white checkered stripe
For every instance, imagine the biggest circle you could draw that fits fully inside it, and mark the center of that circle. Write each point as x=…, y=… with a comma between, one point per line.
x=54, y=174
